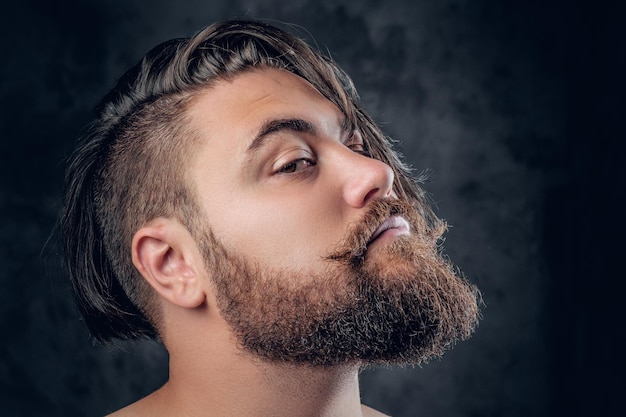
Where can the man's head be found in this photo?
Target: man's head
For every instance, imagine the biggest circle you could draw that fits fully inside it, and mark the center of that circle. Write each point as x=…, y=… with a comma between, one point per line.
x=257, y=146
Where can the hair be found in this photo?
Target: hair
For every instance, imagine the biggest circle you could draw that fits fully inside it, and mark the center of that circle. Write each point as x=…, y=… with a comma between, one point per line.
x=129, y=167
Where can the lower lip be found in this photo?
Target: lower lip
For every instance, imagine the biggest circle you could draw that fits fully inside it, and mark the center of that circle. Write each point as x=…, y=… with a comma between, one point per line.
x=389, y=235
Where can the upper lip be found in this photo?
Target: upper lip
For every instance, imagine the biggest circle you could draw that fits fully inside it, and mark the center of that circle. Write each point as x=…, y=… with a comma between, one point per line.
x=391, y=222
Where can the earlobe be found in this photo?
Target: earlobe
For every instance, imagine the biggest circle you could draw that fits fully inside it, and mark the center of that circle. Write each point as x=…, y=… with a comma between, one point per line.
x=163, y=253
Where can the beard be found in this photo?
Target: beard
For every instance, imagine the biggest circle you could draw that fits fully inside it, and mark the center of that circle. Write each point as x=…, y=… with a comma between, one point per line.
x=401, y=303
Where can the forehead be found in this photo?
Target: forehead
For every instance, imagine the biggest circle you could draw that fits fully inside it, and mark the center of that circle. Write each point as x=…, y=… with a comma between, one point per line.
x=226, y=116
x=255, y=96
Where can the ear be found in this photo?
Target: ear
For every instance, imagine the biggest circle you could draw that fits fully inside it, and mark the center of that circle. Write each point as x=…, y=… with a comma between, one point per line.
x=166, y=256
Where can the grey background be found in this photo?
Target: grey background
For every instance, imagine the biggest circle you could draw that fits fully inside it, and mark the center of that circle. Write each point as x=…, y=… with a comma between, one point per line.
x=513, y=107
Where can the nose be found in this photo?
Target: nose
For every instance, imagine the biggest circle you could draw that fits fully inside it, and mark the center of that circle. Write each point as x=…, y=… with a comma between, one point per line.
x=366, y=179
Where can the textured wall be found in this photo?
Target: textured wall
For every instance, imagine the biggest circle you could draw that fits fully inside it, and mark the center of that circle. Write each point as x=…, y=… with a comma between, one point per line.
x=511, y=106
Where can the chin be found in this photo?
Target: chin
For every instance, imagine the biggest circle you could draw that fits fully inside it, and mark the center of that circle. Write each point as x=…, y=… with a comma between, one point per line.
x=396, y=258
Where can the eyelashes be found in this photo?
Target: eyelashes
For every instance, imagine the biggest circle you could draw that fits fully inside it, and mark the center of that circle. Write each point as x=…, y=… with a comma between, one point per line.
x=302, y=160
x=359, y=148
x=296, y=166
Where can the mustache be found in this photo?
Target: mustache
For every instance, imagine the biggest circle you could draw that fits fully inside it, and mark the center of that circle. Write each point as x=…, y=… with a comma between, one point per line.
x=352, y=249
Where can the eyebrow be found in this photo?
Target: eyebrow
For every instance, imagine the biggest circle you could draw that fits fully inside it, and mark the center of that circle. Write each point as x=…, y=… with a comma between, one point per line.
x=273, y=126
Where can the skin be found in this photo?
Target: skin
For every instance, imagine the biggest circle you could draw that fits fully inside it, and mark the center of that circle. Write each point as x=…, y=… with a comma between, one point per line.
x=289, y=218
x=285, y=203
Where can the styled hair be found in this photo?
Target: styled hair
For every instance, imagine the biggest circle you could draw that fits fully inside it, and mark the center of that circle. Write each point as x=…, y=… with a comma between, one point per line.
x=129, y=167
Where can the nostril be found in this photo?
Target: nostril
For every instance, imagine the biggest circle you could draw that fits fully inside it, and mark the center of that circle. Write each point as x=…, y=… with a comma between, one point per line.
x=372, y=193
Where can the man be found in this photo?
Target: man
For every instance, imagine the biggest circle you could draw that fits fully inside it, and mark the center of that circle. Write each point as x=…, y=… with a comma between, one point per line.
x=233, y=200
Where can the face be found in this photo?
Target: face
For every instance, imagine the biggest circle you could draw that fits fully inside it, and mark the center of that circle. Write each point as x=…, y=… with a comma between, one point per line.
x=280, y=174
x=313, y=257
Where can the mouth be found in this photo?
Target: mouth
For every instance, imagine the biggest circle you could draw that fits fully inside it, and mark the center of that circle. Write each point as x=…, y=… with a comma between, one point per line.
x=392, y=227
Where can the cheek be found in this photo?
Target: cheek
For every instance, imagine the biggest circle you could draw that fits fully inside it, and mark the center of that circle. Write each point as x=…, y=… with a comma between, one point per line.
x=280, y=232
x=295, y=224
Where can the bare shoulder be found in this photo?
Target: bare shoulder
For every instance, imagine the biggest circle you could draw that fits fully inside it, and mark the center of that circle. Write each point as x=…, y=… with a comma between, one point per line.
x=129, y=411
x=370, y=412
x=142, y=408
x=121, y=413
x=153, y=405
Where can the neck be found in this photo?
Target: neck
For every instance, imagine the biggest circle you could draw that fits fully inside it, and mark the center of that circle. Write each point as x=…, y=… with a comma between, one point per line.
x=249, y=387
x=209, y=377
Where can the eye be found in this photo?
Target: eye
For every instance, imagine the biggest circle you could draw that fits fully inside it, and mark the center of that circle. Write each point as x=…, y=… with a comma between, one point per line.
x=356, y=143
x=296, y=166
x=359, y=148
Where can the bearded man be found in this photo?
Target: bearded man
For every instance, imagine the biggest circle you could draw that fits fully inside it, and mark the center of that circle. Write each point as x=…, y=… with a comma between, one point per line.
x=233, y=200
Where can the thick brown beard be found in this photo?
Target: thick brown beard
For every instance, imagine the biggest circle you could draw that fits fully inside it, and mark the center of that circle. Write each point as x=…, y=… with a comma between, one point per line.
x=401, y=304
